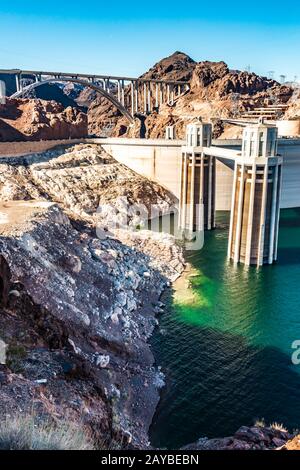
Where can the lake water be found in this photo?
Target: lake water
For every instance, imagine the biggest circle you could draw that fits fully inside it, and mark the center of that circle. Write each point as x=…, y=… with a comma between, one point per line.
x=224, y=342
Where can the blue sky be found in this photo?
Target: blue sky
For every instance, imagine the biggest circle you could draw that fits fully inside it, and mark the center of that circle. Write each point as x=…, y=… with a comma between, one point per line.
x=119, y=37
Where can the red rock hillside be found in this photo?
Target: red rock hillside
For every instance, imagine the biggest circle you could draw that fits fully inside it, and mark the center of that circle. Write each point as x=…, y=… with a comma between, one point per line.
x=35, y=119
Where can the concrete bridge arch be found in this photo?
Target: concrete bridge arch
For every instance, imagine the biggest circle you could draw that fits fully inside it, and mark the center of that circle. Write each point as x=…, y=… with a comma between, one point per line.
x=85, y=83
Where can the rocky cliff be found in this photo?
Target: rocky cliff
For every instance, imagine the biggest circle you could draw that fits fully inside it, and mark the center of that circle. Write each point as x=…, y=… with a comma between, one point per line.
x=35, y=119
x=76, y=309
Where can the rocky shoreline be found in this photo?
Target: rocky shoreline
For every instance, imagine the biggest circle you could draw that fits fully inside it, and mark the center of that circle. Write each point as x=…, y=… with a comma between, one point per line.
x=257, y=437
x=87, y=305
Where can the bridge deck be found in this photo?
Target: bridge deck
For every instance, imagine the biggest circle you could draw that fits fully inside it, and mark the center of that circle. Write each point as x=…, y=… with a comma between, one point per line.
x=88, y=76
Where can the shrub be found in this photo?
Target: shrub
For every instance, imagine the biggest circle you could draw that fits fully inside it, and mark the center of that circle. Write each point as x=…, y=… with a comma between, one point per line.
x=22, y=433
x=260, y=423
x=278, y=427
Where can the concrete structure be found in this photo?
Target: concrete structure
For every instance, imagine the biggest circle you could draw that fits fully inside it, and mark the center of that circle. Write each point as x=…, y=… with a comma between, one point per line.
x=197, y=181
x=288, y=127
x=156, y=159
x=129, y=95
x=254, y=222
x=170, y=133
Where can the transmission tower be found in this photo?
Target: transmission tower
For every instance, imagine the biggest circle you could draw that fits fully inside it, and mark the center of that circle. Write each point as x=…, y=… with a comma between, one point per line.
x=282, y=78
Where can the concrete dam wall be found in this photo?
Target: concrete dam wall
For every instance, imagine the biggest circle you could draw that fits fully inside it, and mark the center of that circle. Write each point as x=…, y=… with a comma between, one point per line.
x=160, y=159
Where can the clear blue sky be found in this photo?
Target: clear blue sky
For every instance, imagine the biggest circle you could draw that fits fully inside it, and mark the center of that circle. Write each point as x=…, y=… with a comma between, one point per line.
x=127, y=37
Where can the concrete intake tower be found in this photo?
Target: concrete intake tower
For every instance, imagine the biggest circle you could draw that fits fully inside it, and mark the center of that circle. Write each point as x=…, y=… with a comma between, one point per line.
x=197, y=181
x=253, y=233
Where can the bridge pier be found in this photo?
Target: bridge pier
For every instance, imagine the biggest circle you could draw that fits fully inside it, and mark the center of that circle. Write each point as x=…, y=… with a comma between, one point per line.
x=156, y=95
x=122, y=93
x=172, y=94
x=168, y=93
x=136, y=96
x=197, y=193
x=149, y=97
x=119, y=90
x=254, y=224
x=18, y=82
x=132, y=90
x=161, y=94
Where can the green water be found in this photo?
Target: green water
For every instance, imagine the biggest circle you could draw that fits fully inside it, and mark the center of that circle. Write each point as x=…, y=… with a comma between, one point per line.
x=225, y=342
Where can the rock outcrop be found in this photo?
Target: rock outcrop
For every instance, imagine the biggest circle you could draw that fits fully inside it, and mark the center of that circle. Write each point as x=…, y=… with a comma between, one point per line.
x=247, y=438
x=30, y=119
x=178, y=66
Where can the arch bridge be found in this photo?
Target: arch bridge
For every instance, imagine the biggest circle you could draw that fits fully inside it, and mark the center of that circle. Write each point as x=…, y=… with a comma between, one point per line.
x=129, y=95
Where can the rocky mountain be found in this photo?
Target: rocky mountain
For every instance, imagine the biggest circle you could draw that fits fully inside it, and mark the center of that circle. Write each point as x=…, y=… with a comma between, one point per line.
x=34, y=119
x=215, y=92
x=178, y=66
x=52, y=92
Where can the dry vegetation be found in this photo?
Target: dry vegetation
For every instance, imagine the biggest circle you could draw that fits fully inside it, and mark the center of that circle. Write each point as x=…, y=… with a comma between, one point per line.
x=23, y=433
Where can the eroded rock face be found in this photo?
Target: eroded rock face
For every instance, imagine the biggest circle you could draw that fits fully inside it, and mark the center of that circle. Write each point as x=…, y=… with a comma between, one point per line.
x=219, y=81
x=207, y=72
x=35, y=119
x=88, y=303
x=90, y=297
